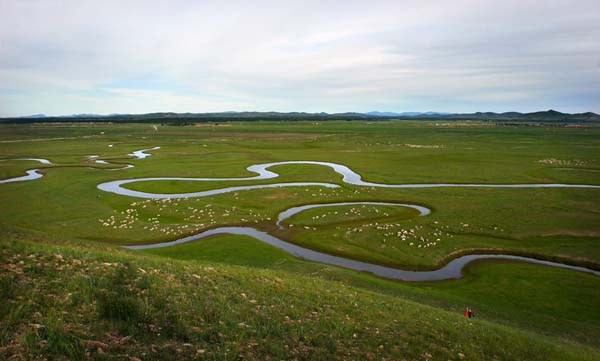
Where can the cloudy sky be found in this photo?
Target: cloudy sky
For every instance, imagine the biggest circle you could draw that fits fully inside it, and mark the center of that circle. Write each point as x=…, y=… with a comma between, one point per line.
x=64, y=57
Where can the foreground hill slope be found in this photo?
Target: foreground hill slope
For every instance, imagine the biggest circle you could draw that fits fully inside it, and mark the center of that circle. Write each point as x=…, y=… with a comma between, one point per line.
x=70, y=301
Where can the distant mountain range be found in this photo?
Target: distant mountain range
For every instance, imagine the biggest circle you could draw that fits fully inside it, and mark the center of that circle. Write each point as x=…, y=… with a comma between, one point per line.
x=541, y=116
x=82, y=115
x=403, y=114
x=33, y=116
x=169, y=117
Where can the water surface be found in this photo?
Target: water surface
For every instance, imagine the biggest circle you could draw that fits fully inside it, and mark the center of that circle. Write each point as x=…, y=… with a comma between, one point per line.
x=31, y=174
x=140, y=154
x=451, y=270
x=423, y=211
x=348, y=176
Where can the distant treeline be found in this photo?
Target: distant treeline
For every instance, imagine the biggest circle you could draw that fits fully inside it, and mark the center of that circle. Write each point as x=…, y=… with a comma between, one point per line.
x=549, y=116
x=192, y=118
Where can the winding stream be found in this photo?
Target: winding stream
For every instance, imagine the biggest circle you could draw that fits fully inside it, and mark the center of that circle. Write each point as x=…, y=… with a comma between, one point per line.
x=348, y=176
x=41, y=160
x=31, y=173
x=103, y=161
x=451, y=270
x=140, y=154
x=423, y=211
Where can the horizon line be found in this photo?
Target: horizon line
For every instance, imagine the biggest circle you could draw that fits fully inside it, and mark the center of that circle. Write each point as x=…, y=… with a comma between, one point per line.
x=393, y=113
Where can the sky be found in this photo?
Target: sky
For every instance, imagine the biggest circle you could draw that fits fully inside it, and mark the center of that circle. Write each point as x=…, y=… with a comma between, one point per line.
x=65, y=57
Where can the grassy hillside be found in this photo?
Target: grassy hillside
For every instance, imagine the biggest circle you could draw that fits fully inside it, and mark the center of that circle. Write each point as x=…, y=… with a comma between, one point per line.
x=73, y=302
x=546, y=300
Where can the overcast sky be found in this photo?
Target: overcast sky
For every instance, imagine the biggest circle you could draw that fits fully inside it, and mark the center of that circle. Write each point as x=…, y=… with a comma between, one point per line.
x=64, y=57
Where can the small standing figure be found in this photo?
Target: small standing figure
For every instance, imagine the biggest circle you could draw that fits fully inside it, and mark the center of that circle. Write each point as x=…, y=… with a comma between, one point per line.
x=467, y=312
x=471, y=313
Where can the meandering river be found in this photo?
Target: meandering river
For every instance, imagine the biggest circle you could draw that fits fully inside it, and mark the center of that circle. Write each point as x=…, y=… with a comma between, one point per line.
x=31, y=174
x=451, y=270
x=348, y=176
x=423, y=211
x=141, y=154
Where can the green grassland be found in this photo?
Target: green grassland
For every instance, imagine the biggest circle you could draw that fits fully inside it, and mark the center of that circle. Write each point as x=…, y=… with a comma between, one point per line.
x=532, y=297
x=548, y=305
x=77, y=302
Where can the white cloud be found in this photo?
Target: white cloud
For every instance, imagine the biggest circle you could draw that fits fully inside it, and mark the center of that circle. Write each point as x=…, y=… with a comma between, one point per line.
x=306, y=56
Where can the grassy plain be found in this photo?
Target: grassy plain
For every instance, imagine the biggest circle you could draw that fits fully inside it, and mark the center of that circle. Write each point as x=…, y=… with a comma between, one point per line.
x=551, y=223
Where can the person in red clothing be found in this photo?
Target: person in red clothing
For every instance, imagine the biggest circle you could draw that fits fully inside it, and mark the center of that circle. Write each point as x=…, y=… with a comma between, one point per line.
x=469, y=313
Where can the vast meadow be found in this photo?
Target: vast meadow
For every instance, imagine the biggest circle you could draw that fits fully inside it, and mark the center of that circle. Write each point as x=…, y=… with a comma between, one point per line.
x=523, y=310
